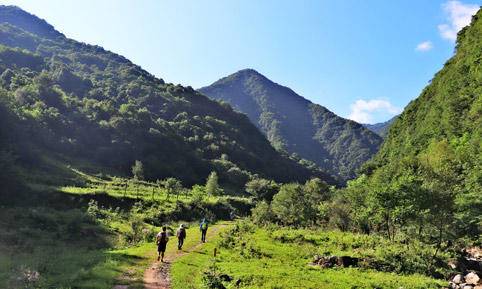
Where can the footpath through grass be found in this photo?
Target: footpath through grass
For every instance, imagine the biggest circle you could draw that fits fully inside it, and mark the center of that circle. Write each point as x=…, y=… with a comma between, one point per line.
x=95, y=234
x=186, y=271
x=260, y=258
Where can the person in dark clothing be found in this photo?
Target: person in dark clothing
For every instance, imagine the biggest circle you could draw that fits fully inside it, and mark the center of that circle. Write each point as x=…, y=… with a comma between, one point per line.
x=161, y=240
x=181, y=235
x=204, y=229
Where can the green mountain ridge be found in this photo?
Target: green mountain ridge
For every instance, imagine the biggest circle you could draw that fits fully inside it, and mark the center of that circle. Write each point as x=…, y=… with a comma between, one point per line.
x=381, y=128
x=296, y=125
x=431, y=159
x=72, y=101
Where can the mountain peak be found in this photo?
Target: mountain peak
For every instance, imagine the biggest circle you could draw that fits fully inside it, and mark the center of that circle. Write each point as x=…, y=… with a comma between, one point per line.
x=245, y=74
x=16, y=16
x=296, y=125
x=248, y=71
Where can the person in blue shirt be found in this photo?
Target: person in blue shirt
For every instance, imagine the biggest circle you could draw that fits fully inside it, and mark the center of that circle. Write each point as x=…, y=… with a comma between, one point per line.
x=204, y=229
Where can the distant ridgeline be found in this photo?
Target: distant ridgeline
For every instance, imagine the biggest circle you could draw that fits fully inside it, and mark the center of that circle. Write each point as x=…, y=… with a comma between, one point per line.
x=296, y=125
x=381, y=128
x=67, y=100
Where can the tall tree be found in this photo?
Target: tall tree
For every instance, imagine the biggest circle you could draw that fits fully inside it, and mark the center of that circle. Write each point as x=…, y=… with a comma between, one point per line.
x=212, y=185
x=138, y=171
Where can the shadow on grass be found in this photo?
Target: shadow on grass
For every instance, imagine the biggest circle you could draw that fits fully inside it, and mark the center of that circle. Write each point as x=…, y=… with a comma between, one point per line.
x=50, y=233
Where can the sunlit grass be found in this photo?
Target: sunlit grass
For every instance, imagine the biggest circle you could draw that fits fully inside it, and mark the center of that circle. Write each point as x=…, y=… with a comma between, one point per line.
x=285, y=264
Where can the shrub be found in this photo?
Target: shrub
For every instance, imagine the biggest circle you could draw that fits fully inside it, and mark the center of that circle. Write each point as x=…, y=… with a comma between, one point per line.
x=262, y=214
x=211, y=278
x=292, y=206
x=339, y=212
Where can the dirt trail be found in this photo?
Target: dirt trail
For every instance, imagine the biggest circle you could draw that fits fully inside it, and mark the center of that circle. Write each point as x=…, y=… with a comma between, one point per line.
x=157, y=276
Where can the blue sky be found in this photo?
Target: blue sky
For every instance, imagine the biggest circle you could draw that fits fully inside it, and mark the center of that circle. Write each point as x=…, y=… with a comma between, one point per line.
x=361, y=59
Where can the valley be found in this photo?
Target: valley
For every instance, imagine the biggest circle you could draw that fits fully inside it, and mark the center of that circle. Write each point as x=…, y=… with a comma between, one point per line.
x=98, y=155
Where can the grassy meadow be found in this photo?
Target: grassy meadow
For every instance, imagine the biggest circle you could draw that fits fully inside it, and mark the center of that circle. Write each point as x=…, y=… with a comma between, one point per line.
x=96, y=233
x=276, y=257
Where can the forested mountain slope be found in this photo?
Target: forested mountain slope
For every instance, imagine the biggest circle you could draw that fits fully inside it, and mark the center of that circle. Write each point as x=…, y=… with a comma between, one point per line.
x=431, y=161
x=381, y=128
x=70, y=100
x=294, y=124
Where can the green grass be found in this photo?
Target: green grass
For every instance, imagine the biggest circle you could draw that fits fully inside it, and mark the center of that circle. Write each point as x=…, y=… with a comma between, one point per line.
x=68, y=248
x=260, y=259
x=51, y=230
x=187, y=270
x=62, y=245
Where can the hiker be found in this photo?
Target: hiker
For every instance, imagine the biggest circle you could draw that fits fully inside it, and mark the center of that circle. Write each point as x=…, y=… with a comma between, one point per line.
x=181, y=235
x=204, y=229
x=161, y=240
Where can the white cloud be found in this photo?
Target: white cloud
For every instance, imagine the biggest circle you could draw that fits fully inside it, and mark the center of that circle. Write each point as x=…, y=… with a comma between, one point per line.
x=424, y=46
x=459, y=16
x=364, y=111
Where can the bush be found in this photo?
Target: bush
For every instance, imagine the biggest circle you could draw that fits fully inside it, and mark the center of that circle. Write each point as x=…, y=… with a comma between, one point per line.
x=339, y=212
x=293, y=207
x=211, y=278
x=262, y=214
x=233, y=236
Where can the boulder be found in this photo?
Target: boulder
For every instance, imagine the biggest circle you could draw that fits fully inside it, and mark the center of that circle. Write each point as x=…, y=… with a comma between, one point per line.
x=452, y=285
x=347, y=261
x=468, y=287
x=453, y=264
x=472, y=278
x=328, y=262
x=458, y=279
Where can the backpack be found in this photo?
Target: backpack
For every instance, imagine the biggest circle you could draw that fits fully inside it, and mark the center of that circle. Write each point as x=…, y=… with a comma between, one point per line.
x=181, y=233
x=163, y=239
x=204, y=226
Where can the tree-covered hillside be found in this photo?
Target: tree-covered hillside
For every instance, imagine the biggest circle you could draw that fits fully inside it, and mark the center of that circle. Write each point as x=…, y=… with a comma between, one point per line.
x=428, y=172
x=381, y=128
x=294, y=124
x=78, y=102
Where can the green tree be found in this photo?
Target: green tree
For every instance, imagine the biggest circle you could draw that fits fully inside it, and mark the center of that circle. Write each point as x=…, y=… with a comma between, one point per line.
x=198, y=193
x=292, y=207
x=262, y=214
x=262, y=189
x=138, y=171
x=212, y=185
x=317, y=190
x=172, y=186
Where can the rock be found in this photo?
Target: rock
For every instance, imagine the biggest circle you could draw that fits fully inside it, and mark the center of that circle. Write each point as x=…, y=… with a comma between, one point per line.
x=347, y=261
x=478, y=287
x=453, y=264
x=225, y=277
x=472, y=278
x=452, y=285
x=458, y=279
x=468, y=287
x=328, y=262
x=475, y=252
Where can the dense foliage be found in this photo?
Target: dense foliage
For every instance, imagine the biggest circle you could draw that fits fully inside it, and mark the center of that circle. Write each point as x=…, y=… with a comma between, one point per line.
x=78, y=101
x=427, y=178
x=296, y=125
